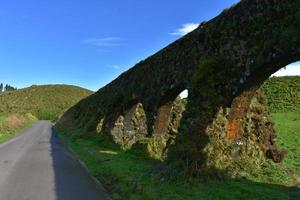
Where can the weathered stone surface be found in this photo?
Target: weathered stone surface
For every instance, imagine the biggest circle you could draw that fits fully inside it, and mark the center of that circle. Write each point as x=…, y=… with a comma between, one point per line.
x=222, y=63
x=166, y=128
x=255, y=142
x=130, y=128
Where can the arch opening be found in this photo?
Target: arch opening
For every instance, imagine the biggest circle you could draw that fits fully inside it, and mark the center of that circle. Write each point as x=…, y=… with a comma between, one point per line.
x=184, y=94
x=242, y=101
x=167, y=124
x=226, y=122
x=292, y=69
x=239, y=118
x=132, y=125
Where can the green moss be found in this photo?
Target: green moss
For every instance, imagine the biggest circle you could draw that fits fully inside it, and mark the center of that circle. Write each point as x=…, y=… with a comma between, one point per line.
x=258, y=23
x=206, y=65
x=289, y=38
x=157, y=146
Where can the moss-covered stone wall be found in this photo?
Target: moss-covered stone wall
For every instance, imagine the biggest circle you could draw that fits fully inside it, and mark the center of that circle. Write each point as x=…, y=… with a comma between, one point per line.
x=222, y=63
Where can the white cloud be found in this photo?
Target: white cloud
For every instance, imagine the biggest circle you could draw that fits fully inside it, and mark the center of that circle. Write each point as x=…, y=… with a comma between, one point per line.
x=104, y=42
x=289, y=70
x=185, y=29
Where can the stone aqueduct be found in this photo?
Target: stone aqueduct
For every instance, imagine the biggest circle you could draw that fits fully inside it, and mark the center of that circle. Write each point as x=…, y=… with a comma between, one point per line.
x=222, y=63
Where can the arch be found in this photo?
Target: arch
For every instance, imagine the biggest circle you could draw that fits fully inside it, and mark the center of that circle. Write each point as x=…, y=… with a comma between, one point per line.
x=167, y=122
x=130, y=127
x=241, y=102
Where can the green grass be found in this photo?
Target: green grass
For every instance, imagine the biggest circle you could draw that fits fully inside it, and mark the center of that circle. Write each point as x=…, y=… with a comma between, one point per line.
x=44, y=102
x=288, y=129
x=133, y=175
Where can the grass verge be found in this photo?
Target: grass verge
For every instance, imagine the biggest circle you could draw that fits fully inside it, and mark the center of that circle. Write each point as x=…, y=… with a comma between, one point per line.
x=133, y=175
x=11, y=125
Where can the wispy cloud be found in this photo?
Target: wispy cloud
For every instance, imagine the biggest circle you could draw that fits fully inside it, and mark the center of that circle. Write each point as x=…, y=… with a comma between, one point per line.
x=116, y=67
x=290, y=70
x=185, y=29
x=104, y=42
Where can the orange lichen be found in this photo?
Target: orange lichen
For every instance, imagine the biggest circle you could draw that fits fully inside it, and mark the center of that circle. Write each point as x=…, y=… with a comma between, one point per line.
x=233, y=129
x=238, y=112
x=163, y=119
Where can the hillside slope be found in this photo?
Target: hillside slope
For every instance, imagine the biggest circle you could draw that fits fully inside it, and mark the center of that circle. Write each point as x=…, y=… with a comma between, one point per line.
x=44, y=102
x=282, y=93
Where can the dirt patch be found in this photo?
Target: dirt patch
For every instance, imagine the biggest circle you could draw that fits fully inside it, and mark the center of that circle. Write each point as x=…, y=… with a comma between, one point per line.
x=14, y=121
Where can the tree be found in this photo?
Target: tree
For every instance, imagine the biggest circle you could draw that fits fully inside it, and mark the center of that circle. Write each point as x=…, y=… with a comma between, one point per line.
x=1, y=87
x=9, y=88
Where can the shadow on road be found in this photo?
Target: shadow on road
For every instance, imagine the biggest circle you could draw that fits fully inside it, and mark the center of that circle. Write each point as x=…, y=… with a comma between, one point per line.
x=71, y=180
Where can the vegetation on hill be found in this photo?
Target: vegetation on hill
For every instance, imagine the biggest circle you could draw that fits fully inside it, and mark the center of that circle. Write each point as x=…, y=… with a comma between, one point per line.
x=6, y=88
x=44, y=102
x=19, y=108
x=283, y=93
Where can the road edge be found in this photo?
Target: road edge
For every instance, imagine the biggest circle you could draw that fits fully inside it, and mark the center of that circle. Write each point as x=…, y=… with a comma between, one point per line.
x=101, y=187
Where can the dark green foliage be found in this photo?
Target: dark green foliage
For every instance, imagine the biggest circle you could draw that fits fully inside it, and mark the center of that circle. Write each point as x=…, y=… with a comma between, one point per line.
x=206, y=65
x=289, y=38
x=8, y=88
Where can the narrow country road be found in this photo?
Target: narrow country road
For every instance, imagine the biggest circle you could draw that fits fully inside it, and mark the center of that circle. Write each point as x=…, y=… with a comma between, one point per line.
x=36, y=166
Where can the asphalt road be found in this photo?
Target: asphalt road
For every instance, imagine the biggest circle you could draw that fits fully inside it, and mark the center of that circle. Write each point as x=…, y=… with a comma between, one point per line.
x=36, y=166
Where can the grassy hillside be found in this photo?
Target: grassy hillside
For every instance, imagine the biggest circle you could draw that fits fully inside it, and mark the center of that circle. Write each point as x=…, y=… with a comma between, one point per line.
x=283, y=94
x=44, y=102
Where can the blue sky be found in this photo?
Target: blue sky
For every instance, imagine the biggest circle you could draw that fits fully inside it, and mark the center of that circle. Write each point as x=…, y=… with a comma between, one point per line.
x=89, y=43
